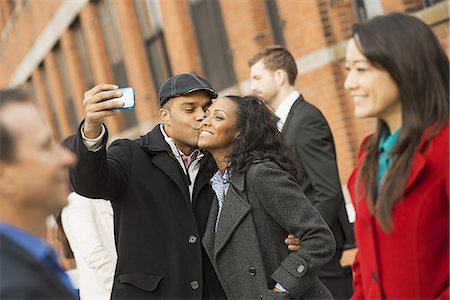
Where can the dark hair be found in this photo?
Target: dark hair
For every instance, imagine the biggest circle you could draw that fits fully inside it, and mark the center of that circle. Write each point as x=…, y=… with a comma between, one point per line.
x=276, y=58
x=8, y=96
x=408, y=50
x=259, y=137
x=61, y=235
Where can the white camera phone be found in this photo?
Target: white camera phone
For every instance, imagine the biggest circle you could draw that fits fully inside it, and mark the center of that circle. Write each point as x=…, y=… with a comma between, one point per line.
x=128, y=98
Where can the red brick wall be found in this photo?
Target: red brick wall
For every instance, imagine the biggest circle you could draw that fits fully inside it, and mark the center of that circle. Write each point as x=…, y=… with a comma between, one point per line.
x=56, y=88
x=248, y=31
x=179, y=37
x=97, y=56
x=137, y=68
x=75, y=74
x=303, y=27
x=29, y=24
x=42, y=99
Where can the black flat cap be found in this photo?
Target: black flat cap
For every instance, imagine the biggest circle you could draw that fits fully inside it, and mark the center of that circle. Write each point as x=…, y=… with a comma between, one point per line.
x=183, y=84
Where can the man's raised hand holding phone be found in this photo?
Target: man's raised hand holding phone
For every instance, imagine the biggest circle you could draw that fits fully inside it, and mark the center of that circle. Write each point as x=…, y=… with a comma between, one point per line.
x=96, y=108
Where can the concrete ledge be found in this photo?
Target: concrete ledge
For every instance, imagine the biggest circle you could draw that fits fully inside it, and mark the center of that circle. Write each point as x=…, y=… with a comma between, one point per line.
x=434, y=14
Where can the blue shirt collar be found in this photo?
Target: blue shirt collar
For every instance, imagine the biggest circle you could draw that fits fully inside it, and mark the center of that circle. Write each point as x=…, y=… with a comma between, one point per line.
x=32, y=244
x=388, y=141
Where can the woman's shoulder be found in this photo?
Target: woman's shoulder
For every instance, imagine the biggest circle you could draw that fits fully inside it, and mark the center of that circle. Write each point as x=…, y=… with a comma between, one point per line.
x=437, y=146
x=363, y=144
x=441, y=136
x=264, y=170
x=261, y=164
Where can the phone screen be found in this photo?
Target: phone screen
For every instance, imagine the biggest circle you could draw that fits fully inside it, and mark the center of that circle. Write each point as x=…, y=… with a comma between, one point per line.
x=128, y=98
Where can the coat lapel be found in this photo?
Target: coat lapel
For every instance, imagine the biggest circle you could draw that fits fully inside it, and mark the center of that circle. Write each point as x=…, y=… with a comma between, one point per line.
x=154, y=143
x=418, y=165
x=171, y=167
x=204, y=175
x=209, y=235
x=297, y=103
x=234, y=209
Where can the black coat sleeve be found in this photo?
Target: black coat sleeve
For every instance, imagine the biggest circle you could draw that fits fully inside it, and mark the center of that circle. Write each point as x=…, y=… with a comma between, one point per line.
x=315, y=147
x=104, y=173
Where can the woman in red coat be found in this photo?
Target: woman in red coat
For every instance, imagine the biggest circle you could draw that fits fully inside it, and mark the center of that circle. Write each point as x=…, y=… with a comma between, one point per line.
x=399, y=74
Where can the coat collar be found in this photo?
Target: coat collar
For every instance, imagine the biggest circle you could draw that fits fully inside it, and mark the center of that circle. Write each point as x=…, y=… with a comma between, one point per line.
x=419, y=160
x=296, y=104
x=418, y=165
x=154, y=143
x=235, y=208
x=238, y=180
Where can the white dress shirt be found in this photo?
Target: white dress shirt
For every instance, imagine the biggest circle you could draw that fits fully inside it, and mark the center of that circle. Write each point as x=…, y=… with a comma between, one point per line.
x=89, y=227
x=284, y=108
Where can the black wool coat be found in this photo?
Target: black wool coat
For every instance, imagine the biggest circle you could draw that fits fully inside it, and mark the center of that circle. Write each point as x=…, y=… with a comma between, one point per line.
x=157, y=229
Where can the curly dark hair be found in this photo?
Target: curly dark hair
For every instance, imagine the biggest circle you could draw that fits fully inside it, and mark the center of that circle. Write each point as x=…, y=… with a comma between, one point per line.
x=259, y=137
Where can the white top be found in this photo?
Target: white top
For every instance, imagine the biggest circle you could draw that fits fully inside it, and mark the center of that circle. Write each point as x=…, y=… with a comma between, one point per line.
x=89, y=227
x=284, y=108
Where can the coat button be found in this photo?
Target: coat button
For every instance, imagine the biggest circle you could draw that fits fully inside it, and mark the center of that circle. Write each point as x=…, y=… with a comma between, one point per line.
x=374, y=277
x=252, y=271
x=195, y=285
x=192, y=239
x=301, y=269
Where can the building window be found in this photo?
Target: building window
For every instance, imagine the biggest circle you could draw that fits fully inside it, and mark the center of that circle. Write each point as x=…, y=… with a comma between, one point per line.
x=366, y=9
x=359, y=9
x=151, y=26
x=276, y=24
x=427, y=3
x=212, y=43
x=67, y=91
x=51, y=102
x=110, y=30
x=80, y=44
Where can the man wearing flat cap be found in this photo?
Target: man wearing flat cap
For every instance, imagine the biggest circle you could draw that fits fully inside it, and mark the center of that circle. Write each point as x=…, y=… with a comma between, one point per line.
x=158, y=186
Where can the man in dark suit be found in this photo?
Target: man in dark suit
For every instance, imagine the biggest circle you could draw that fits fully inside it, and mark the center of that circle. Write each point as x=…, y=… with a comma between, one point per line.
x=273, y=72
x=33, y=186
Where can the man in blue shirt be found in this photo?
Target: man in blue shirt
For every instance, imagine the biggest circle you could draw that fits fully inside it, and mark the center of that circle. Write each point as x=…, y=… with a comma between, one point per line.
x=33, y=185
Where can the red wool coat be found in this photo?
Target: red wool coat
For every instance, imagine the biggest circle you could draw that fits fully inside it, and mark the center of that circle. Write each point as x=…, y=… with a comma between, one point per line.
x=413, y=260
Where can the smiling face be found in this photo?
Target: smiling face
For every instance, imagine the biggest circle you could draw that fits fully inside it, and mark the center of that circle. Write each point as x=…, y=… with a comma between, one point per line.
x=374, y=92
x=181, y=117
x=219, y=128
x=36, y=179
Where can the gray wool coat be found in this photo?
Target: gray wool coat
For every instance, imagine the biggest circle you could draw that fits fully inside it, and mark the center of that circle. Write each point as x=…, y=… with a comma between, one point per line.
x=248, y=252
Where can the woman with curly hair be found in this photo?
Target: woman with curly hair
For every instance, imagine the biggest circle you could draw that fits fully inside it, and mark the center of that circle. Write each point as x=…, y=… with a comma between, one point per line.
x=399, y=73
x=258, y=202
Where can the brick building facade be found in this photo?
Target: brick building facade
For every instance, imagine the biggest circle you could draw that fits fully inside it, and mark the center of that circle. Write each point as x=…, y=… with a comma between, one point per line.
x=64, y=47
